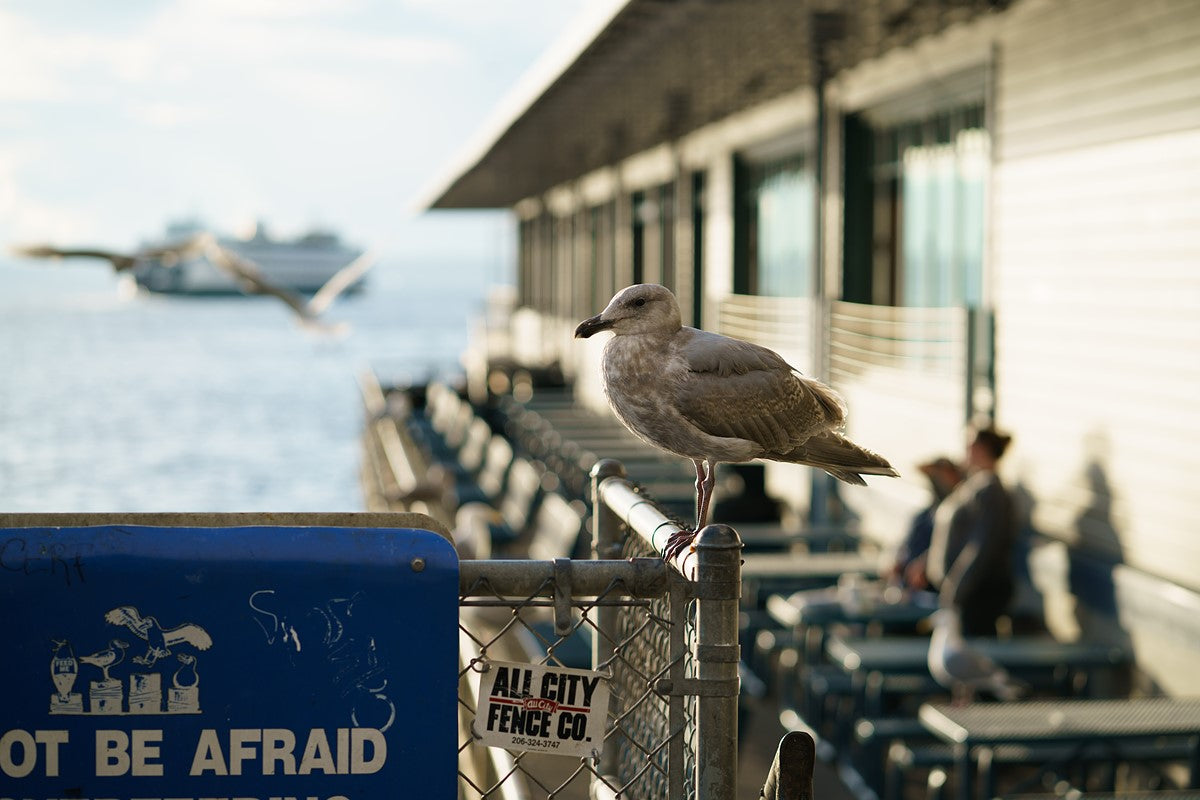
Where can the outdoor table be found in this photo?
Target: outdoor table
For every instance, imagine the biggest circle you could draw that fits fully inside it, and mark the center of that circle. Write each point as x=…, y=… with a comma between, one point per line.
x=910, y=653
x=766, y=573
x=876, y=607
x=873, y=603
x=813, y=567
x=814, y=539
x=869, y=659
x=976, y=730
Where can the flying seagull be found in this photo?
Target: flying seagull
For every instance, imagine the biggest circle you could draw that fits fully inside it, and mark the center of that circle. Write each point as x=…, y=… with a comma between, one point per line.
x=159, y=640
x=250, y=278
x=245, y=272
x=712, y=399
x=962, y=669
x=121, y=262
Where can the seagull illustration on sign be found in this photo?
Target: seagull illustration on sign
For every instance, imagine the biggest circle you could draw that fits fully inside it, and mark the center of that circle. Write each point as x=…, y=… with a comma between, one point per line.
x=108, y=658
x=711, y=398
x=159, y=640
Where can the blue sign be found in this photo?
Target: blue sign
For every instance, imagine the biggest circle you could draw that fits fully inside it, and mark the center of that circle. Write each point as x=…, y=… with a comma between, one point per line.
x=254, y=663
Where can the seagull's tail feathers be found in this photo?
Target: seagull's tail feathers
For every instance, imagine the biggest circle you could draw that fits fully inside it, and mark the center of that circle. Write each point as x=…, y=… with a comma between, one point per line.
x=840, y=457
x=1007, y=688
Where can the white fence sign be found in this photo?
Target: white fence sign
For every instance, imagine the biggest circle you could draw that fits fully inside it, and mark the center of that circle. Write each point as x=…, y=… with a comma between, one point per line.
x=544, y=709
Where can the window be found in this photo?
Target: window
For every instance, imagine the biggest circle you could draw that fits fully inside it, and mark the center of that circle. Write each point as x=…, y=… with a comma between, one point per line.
x=666, y=234
x=600, y=258
x=775, y=238
x=641, y=212
x=698, y=200
x=915, y=209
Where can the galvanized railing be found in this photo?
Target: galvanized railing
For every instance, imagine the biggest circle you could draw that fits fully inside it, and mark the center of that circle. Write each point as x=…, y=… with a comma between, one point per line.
x=664, y=634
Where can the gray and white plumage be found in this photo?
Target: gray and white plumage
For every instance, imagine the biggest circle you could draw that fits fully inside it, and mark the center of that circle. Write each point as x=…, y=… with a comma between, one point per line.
x=962, y=669
x=712, y=399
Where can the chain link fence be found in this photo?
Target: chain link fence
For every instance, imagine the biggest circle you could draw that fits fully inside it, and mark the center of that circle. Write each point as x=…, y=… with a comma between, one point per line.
x=665, y=635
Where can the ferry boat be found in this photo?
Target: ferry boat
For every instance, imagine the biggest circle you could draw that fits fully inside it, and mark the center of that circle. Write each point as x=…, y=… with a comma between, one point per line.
x=302, y=264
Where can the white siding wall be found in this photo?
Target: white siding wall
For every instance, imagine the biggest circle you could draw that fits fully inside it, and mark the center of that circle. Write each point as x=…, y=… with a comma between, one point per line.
x=1096, y=270
x=905, y=414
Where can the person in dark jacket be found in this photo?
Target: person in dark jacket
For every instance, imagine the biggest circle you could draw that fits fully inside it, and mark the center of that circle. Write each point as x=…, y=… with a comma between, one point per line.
x=971, y=546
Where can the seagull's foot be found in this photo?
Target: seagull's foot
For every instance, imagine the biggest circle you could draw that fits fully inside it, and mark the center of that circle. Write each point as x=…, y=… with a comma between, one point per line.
x=677, y=543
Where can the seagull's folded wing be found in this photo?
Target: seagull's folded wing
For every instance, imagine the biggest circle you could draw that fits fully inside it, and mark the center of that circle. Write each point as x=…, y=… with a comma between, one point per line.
x=740, y=390
x=969, y=665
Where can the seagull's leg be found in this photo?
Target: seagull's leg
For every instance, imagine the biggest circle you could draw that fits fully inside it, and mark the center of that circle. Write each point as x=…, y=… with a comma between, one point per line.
x=704, y=498
x=681, y=540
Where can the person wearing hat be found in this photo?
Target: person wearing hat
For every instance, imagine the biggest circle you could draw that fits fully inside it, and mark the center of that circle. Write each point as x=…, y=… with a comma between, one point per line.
x=908, y=565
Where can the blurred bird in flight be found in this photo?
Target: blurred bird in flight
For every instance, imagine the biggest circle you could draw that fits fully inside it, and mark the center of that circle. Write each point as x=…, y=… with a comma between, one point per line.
x=247, y=274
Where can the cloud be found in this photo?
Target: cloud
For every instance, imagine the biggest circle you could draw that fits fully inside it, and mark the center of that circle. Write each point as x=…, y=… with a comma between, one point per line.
x=307, y=32
x=167, y=115
x=26, y=218
x=190, y=38
x=296, y=109
x=537, y=16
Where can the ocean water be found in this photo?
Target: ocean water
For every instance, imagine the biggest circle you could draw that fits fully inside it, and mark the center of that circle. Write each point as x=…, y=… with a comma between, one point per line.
x=118, y=402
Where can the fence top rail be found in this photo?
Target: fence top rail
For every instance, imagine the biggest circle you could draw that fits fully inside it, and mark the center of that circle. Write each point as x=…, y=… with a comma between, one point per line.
x=634, y=577
x=647, y=520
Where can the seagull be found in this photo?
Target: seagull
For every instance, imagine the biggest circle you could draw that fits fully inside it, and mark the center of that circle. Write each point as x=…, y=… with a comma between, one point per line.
x=245, y=272
x=121, y=262
x=159, y=640
x=711, y=399
x=250, y=278
x=961, y=668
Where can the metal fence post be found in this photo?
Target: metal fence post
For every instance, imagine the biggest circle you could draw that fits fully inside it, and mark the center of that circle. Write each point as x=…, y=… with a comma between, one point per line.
x=606, y=544
x=718, y=587
x=606, y=525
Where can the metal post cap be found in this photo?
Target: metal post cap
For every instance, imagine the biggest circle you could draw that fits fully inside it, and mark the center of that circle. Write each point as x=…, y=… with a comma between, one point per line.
x=608, y=468
x=717, y=537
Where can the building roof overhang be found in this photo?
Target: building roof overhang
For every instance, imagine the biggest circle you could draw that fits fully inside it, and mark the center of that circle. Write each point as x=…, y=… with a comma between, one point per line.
x=644, y=72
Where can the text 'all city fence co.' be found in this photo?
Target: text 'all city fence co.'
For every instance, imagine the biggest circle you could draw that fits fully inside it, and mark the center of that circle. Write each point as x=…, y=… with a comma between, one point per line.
x=539, y=708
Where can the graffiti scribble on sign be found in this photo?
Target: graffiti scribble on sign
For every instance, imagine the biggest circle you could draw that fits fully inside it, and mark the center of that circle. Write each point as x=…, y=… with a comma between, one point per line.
x=327, y=635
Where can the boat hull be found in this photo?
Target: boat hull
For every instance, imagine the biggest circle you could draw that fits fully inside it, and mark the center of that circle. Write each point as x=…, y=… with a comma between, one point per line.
x=298, y=267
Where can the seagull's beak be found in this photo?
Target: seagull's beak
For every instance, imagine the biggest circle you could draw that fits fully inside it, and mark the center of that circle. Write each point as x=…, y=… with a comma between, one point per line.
x=591, y=326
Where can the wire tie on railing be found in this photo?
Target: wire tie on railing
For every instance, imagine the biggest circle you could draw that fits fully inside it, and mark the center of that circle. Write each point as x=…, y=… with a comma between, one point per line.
x=698, y=687
x=725, y=653
x=717, y=590
x=562, y=596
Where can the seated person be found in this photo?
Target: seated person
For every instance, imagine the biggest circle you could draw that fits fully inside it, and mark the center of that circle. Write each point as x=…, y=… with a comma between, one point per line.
x=908, y=566
x=970, y=554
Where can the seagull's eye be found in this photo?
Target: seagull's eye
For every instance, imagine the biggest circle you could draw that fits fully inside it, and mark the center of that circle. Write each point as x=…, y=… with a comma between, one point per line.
x=641, y=301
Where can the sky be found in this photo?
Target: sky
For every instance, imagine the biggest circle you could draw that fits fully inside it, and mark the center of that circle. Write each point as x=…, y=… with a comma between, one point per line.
x=116, y=118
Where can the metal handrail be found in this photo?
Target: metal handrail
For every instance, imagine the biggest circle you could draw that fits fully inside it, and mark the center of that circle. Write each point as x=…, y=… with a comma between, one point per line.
x=710, y=572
